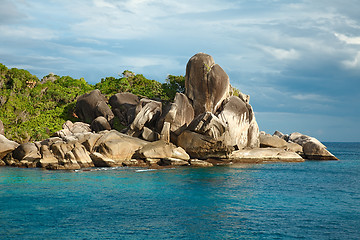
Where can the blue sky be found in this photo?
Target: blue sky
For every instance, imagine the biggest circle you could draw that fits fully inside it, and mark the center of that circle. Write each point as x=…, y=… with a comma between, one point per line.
x=298, y=60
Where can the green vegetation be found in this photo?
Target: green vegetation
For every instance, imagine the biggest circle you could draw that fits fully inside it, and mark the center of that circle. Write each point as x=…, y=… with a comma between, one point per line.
x=139, y=85
x=33, y=110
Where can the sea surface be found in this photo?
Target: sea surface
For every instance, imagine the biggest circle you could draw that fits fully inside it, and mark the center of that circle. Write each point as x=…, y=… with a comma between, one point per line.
x=310, y=200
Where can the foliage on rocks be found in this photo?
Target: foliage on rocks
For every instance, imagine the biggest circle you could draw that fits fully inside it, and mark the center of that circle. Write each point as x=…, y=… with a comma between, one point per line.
x=141, y=86
x=33, y=109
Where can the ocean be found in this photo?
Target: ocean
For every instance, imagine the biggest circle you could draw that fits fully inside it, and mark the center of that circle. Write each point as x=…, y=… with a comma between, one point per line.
x=309, y=200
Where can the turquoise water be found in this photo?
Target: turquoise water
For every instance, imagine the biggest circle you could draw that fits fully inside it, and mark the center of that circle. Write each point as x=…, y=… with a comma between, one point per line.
x=311, y=200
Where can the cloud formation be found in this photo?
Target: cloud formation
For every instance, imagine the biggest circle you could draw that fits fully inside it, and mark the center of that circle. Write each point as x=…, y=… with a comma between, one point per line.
x=298, y=57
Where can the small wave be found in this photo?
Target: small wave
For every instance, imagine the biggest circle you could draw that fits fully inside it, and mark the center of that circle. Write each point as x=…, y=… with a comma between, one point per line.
x=145, y=170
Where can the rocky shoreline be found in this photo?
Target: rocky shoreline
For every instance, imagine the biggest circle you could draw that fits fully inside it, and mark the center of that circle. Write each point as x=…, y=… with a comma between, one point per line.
x=210, y=124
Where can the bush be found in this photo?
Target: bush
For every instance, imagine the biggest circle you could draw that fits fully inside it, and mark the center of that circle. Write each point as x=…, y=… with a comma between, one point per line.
x=33, y=110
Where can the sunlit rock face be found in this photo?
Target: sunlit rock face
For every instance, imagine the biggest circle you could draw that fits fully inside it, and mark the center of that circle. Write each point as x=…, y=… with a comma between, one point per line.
x=240, y=120
x=206, y=83
x=233, y=121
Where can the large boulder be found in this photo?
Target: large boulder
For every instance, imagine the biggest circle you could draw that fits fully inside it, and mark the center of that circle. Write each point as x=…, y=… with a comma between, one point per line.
x=313, y=149
x=69, y=128
x=262, y=155
x=117, y=146
x=48, y=160
x=123, y=106
x=206, y=83
x=147, y=114
x=6, y=146
x=69, y=153
x=281, y=135
x=180, y=113
x=26, y=151
x=301, y=139
x=316, y=151
x=99, y=124
x=208, y=124
x=240, y=120
x=273, y=141
x=161, y=150
x=81, y=156
x=202, y=146
x=92, y=105
x=267, y=140
x=100, y=160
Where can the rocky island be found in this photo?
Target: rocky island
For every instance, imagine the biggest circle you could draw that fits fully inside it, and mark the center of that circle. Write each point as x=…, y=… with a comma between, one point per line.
x=211, y=123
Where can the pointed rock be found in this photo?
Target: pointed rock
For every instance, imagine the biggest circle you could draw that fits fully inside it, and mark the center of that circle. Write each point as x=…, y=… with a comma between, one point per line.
x=206, y=83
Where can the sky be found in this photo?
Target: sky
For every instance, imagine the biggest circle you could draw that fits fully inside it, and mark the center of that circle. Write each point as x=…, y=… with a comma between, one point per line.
x=298, y=60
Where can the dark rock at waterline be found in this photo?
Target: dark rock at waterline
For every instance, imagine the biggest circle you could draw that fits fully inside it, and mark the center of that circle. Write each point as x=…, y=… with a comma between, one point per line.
x=316, y=151
x=26, y=151
x=313, y=149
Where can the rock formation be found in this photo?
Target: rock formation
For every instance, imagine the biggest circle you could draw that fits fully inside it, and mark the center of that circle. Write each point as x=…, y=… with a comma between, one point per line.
x=211, y=124
x=6, y=146
x=92, y=105
x=313, y=149
x=123, y=106
x=206, y=83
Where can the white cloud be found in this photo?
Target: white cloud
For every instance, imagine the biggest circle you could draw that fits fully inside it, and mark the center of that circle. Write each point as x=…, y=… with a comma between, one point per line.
x=23, y=32
x=353, y=64
x=281, y=54
x=312, y=97
x=348, y=40
x=148, y=61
